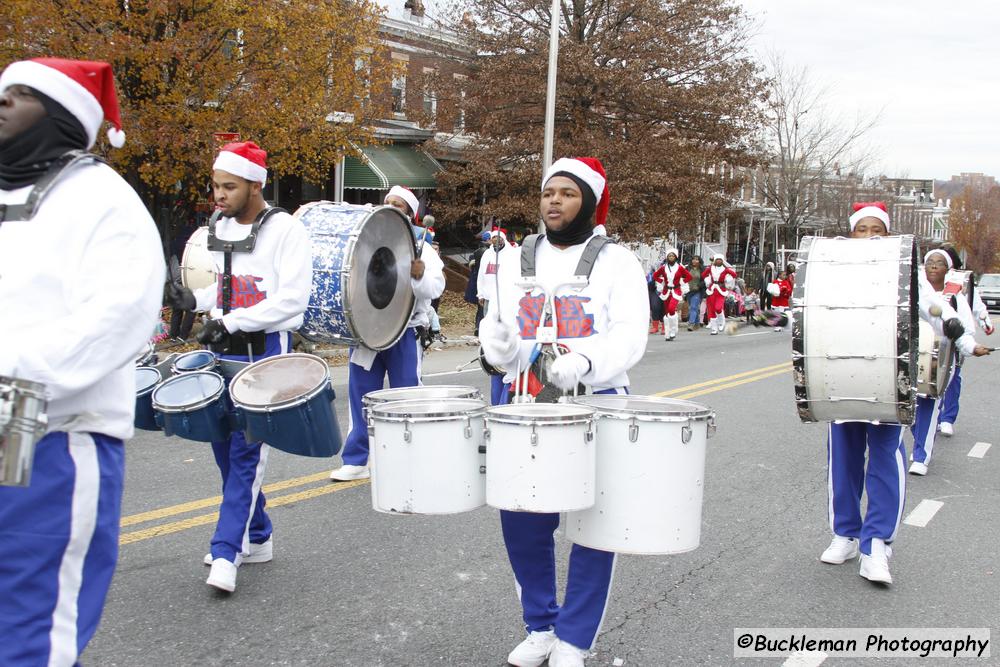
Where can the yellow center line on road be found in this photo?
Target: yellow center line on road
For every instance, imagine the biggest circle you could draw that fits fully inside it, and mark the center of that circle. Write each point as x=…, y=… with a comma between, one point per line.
x=688, y=391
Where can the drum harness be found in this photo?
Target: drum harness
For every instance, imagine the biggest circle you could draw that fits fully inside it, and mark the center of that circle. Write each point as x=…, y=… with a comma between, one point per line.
x=254, y=342
x=546, y=333
x=42, y=187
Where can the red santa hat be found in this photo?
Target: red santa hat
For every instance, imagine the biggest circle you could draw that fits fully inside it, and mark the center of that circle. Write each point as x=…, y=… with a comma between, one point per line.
x=499, y=231
x=406, y=195
x=671, y=251
x=869, y=209
x=84, y=88
x=590, y=171
x=244, y=159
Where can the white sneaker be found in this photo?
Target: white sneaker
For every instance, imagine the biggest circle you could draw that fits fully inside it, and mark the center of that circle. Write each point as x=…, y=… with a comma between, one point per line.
x=876, y=567
x=259, y=553
x=917, y=468
x=946, y=429
x=534, y=650
x=222, y=575
x=714, y=332
x=346, y=473
x=841, y=549
x=567, y=655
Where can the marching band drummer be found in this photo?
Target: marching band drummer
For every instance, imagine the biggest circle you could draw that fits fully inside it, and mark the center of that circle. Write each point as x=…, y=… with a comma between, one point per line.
x=885, y=477
x=604, y=326
x=368, y=368
x=936, y=265
x=715, y=280
x=268, y=292
x=673, y=276
x=501, y=253
x=81, y=284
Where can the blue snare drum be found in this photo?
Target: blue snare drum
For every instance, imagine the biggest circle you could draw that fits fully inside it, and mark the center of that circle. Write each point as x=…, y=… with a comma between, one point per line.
x=193, y=406
x=146, y=379
x=361, y=290
x=285, y=402
x=198, y=360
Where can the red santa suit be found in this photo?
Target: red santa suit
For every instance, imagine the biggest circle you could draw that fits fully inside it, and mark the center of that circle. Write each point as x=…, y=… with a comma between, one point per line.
x=670, y=280
x=716, y=292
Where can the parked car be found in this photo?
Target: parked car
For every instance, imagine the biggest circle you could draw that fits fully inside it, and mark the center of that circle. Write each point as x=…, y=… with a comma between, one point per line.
x=989, y=290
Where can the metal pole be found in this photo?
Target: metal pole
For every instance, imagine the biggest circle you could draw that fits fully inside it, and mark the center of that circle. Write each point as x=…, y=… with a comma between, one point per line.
x=550, y=95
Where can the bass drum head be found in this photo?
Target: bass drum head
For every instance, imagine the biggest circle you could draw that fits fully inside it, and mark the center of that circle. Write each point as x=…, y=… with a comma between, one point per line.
x=197, y=267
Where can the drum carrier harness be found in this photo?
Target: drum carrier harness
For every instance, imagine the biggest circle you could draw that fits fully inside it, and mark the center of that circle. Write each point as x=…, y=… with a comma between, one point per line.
x=42, y=187
x=251, y=343
x=547, y=331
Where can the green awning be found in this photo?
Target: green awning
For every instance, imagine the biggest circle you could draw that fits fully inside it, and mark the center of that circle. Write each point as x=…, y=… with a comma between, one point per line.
x=392, y=164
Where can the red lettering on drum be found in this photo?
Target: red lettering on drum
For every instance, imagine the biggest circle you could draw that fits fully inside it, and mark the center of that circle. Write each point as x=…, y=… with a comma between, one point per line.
x=573, y=320
x=244, y=292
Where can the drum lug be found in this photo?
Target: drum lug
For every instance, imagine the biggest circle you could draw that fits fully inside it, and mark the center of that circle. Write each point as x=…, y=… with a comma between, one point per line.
x=468, y=428
x=486, y=434
x=407, y=434
x=711, y=426
x=633, y=432
x=686, y=433
x=534, y=436
x=482, y=470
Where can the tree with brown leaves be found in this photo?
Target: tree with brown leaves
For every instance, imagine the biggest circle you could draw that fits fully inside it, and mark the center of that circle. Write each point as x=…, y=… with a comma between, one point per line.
x=658, y=90
x=974, y=225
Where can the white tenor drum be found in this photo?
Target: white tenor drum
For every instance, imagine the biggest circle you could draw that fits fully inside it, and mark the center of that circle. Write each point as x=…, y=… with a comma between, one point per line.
x=427, y=456
x=650, y=475
x=935, y=357
x=854, y=338
x=540, y=457
x=197, y=267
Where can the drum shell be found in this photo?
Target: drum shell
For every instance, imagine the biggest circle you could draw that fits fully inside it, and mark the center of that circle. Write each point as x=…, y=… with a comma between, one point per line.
x=429, y=466
x=208, y=420
x=145, y=416
x=555, y=473
x=935, y=359
x=23, y=422
x=649, y=492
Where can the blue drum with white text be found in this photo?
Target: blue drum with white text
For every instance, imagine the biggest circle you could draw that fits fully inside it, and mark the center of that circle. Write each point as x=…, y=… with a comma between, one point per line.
x=285, y=401
x=361, y=291
x=194, y=406
x=146, y=379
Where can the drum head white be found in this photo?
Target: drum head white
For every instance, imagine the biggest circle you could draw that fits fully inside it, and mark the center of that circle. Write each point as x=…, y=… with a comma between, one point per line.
x=197, y=267
x=652, y=407
x=188, y=391
x=429, y=409
x=540, y=413
x=146, y=378
x=428, y=392
x=279, y=381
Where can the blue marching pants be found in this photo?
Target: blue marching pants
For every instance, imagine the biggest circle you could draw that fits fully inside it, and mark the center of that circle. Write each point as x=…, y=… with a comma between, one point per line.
x=885, y=480
x=58, y=548
x=530, y=542
x=498, y=390
x=242, y=518
x=924, y=428
x=401, y=363
x=949, y=410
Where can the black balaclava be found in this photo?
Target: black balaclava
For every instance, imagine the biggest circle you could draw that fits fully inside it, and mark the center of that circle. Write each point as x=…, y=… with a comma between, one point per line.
x=581, y=227
x=24, y=158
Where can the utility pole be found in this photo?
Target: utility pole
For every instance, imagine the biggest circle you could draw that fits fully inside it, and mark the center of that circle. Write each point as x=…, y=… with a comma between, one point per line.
x=550, y=95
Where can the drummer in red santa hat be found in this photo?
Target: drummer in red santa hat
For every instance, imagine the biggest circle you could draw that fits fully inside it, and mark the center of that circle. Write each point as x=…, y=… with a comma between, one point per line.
x=674, y=278
x=82, y=278
x=603, y=326
x=716, y=277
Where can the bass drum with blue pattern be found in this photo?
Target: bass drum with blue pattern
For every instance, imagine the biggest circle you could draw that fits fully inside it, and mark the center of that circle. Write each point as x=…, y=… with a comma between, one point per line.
x=361, y=292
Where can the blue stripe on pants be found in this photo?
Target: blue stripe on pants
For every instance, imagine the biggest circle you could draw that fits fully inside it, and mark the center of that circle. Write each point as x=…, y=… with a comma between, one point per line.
x=531, y=550
x=949, y=411
x=242, y=518
x=884, y=480
x=924, y=429
x=401, y=363
x=58, y=548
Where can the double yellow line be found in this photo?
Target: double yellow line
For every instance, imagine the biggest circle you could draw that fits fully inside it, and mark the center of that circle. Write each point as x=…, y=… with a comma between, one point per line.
x=690, y=391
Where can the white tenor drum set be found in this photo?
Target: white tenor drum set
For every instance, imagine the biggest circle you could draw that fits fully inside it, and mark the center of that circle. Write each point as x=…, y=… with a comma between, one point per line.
x=855, y=336
x=628, y=471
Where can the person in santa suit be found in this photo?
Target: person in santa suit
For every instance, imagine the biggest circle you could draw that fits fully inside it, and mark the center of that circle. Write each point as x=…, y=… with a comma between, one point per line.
x=82, y=279
x=251, y=318
x=949, y=406
x=501, y=257
x=936, y=265
x=603, y=326
x=368, y=368
x=674, y=279
x=716, y=276
x=781, y=292
x=882, y=473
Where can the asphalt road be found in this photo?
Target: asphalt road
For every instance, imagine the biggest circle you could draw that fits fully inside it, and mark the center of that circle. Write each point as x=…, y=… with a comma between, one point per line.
x=349, y=586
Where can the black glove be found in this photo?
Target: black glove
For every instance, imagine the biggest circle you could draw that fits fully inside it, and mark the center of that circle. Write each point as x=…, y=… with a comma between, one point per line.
x=953, y=328
x=179, y=298
x=213, y=333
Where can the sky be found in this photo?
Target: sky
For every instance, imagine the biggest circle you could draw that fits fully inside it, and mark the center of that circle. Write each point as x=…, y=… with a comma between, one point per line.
x=931, y=68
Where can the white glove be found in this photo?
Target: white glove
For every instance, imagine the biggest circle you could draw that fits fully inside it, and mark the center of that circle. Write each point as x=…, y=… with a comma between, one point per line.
x=773, y=289
x=500, y=342
x=566, y=371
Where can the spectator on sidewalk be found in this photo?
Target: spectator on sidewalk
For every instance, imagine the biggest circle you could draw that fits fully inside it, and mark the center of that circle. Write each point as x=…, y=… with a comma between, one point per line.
x=696, y=293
